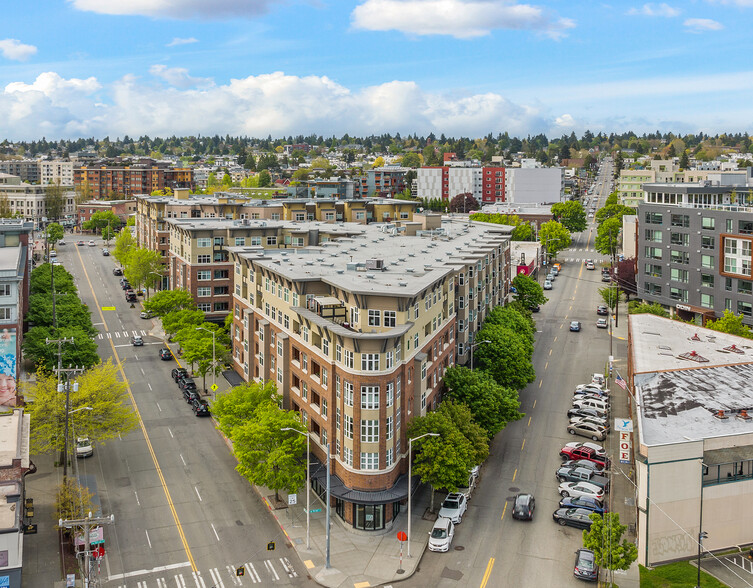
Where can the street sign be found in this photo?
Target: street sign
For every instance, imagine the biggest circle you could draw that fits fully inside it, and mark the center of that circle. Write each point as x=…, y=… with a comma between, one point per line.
x=271, y=546
x=402, y=536
x=316, y=510
x=624, y=447
x=292, y=499
x=109, y=308
x=214, y=387
x=623, y=425
x=70, y=581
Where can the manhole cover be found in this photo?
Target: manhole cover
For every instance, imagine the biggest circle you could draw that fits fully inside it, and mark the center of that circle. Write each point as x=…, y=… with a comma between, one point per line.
x=459, y=548
x=514, y=489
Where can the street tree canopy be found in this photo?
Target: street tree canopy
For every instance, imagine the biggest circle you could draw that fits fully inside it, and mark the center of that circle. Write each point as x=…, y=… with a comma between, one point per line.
x=555, y=237
x=54, y=233
x=521, y=232
x=237, y=406
x=731, y=324
x=83, y=353
x=166, y=301
x=141, y=265
x=608, y=236
x=511, y=318
x=101, y=220
x=99, y=388
x=40, y=281
x=124, y=244
x=69, y=311
x=604, y=540
x=179, y=320
x=571, y=215
x=613, y=210
x=528, y=291
x=199, y=348
x=507, y=357
x=610, y=295
x=491, y=405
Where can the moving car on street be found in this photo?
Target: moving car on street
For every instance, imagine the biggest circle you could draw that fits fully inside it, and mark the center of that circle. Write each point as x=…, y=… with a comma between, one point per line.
x=84, y=447
x=523, y=507
x=602, y=309
x=547, y=285
x=165, y=354
x=601, y=323
x=575, y=326
x=137, y=341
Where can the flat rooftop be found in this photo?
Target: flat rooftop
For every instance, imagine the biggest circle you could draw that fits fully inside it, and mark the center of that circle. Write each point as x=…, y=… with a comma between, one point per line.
x=684, y=375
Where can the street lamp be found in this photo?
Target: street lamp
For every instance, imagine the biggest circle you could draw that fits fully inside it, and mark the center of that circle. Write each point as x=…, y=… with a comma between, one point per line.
x=410, y=472
x=214, y=373
x=308, y=481
x=473, y=346
x=546, y=246
x=80, y=407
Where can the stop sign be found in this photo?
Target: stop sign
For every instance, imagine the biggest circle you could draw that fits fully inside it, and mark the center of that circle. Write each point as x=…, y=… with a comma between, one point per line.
x=402, y=536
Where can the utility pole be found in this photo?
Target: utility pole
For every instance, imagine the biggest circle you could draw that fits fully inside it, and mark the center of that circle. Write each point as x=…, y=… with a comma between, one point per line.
x=87, y=523
x=60, y=371
x=69, y=372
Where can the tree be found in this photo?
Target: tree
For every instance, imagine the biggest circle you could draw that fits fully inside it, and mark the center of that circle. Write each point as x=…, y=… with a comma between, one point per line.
x=507, y=356
x=124, y=244
x=267, y=455
x=101, y=220
x=510, y=318
x=40, y=281
x=6, y=211
x=54, y=200
x=731, y=324
x=199, y=348
x=82, y=354
x=378, y=162
x=464, y=203
x=528, y=291
x=69, y=312
x=491, y=405
x=613, y=210
x=167, y=301
x=140, y=266
x=684, y=161
x=637, y=307
x=555, y=237
x=250, y=162
x=54, y=233
x=72, y=501
x=571, y=215
x=604, y=540
x=411, y=160
x=608, y=236
x=610, y=295
x=178, y=320
x=238, y=405
x=265, y=179
x=83, y=192
x=99, y=388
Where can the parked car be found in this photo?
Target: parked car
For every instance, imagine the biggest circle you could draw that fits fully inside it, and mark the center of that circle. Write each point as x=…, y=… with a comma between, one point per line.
x=585, y=567
x=186, y=381
x=575, y=326
x=601, y=323
x=523, y=507
x=573, y=517
x=191, y=394
x=550, y=276
x=583, y=463
x=577, y=453
x=84, y=447
x=580, y=489
x=593, y=387
x=591, y=504
x=146, y=314
x=178, y=373
x=602, y=309
x=582, y=475
x=590, y=265
x=598, y=421
x=200, y=407
x=453, y=507
x=535, y=308
x=587, y=445
x=80, y=243
x=106, y=252
x=131, y=297
x=587, y=411
x=137, y=341
x=165, y=354
x=440, y=538
x=601, y=404
x=116, y=271
x=606, y=277
x=547, y=285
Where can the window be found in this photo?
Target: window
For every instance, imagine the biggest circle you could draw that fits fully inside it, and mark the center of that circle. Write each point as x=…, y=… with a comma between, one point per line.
x=337, y=418
x=279, y=347
x=390, y=318
x=240, y=241
x=272, y=240
x=348, y=455
x=204, y=275
x=286, y=322
x=204, y=242
x=653, y=270
x=325, y=347
x=678, y=294
x=679, y=275
x=388, y=428
x=707, y=280
x=256, y=241
x=707, y=300
x=370, y=431
x=325, y=377
x=707, y=223
x=707, y=261
x=680, y=220
x=389, y=360
x=369, y=461
x=707, y=242
x=219, y=241
x=348, y=358
x=679, y=257
x=653, y=253
x=415, y=311
x=354, y=315
x=389, y=457
x=348, y=426
x=304, y=390
x=415, y=341
x=304, y=362
x=375, y=318
x=369, y=362
x=461, y=301
x=423, y=370
x=203, y=259
x=679, y=239
x=653, y=218
x=6, y=313
x=220, y=290
x=338, y=353
x=654, y=289
x=324, y=407
x=369, y=397
x=205, y=306
x=348, y=393
x=653, y=235
x=744, y=308
x=389, y=394
x=744, y=287
x=337, y=386
x=204, y=291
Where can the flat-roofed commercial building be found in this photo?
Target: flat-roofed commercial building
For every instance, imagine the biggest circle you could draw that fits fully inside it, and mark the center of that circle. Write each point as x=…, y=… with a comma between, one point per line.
x=693, y=437
x=357, y=333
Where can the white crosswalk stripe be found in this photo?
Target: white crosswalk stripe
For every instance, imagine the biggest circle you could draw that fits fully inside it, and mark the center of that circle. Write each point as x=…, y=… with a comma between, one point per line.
x=198, y=579
x=216, y=575
x=179, y=581
x=271, y=569
x=117, y=334
x=216, y=579
x=252, y=573
x=233, y=576
x=288, y=567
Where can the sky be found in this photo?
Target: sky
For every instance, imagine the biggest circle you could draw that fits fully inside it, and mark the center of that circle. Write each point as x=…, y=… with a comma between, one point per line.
x=96, y=68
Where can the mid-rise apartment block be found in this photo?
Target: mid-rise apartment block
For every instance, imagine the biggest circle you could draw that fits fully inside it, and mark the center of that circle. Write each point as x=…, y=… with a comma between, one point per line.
x=29, y=201
x=26, y=169
x=382, y=182
x=357, y=332
x=56, y=172
x=106, y=181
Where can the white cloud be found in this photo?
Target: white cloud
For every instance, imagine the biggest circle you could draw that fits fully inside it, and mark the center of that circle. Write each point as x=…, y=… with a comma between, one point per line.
x=178, y=77
x=655, y=10
x=15, y=50
x=179, y=9
x=462, y=19
x=698, y=25
x=565, y=121
x=178, y=41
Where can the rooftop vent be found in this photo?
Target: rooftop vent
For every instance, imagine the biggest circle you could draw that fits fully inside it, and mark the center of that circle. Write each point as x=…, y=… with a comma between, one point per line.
x=743, y=415
x=693, y=356
x=340, y=271
x=402, y=284
x=369, y=276
x=734, y=349
x=719, y=414
x=410, y=270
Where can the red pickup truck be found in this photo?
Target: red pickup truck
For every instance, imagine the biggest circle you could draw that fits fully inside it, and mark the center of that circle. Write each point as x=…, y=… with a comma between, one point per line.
x=584, y=453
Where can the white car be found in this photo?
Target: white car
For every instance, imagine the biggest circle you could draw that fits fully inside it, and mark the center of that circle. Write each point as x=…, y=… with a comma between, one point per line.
x=590, y=430
x=92, y=243
x=441, y=535
x=599, y=403
x=547, y=285
x=454, y=507
x=84, y=447
x=580, y=489
x=598, y=449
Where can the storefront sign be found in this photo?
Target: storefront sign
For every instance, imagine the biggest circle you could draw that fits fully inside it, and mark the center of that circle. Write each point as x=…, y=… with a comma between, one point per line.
x=623, y=425
x=683, y=307
x=624, y=447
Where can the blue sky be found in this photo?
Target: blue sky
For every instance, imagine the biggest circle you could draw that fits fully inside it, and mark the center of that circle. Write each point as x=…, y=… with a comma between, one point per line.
x=71, y=68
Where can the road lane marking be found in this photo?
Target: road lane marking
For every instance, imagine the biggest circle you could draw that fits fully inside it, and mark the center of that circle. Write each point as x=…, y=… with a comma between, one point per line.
x=504, y=510
x=488, y=572
x=215, y=531
x=546, y=365
x=148, y=441
x=253, y=573
x=514, y=475
x=540, y=382
x=183, y=460
x=137, y=497
x=171, y=432
x=158, y=406
x=197, y=493
x=524, y=444
x=529, y=421
x=148, y=384
x=534, y=403
x=147, y=538
x=550, y=353
x=271, y=569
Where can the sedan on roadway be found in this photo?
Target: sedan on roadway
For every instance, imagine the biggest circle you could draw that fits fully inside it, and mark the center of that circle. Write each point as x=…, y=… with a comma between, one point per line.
x=137, y=341
x=547, y=285
x=575, y=326
x=573, y=517
x=602, y=309
x=453, y=507
x=178, y=373
x=165, y=354
x=578, y=489
x=440, y=538
x=595, y=432
x=601, y=323
x=523, y=507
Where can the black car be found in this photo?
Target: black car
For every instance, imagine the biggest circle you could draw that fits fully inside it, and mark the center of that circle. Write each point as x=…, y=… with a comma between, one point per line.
x=125, y=284
x=116, y=271
x=200, y=407
x=575, y=326
x=178, y=373
x=602, y=309
x=523, y=507
x=583, y=412
x=585, y=565
x=165, y=354
x=131, y=297
x=186, y=381
x=535, y=308
x=573, y=517
x=191, y=394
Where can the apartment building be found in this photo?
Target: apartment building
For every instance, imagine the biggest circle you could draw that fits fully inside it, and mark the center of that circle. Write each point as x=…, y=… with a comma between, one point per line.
x=26, y=169
x=104, y=181
x=357, y=332
x=29, y=201
x=694, y=249
x=121, y=208
x=382, y=182
x=57, y=171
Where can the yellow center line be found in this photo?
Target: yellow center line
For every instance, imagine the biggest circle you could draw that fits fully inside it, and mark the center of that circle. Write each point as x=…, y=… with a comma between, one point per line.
x=529, y=421
x=546, y=365
x=488, y=572
x=504, y=510
x=141, y=424
x=524, y=444
x=550, y=352
x=514, y=475
x=534, y=403
x=540, y=382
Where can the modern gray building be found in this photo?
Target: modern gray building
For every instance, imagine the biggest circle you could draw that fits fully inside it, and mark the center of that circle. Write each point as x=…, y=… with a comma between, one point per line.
x=694, y=249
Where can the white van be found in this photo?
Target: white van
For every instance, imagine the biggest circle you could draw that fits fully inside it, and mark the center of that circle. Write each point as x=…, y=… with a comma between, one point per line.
x=591, y=402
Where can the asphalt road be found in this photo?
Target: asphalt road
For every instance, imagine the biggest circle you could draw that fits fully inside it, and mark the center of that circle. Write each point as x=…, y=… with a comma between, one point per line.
x=183, y=516
x=492, y=549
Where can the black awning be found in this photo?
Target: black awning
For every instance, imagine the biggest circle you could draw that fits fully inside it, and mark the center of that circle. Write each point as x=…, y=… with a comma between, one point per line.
x=399, y=491
x=233, y=378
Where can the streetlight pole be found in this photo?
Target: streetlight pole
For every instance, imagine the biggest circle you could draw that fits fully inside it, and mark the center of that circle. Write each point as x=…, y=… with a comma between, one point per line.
x=410, y=472
x=214, y=372
x=473, y=346
x=308, y=482
x=329, y=459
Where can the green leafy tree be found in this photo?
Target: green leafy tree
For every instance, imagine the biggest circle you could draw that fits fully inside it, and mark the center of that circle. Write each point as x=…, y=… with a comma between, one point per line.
x=462, y=417
x=610, y=295
x=731, y=324
x=443, y=461
x=42, y=276
x=613, y=210
x=54, y=233
x=69, y=311
x=511, y=318
x=72, y=501
x=571, y=215
x=167, y=301
x=124, y=244
x=507, y=356
x=82, y=354
x=54, y=200
x=99, y=388
x=179, y=320
x=684, y=161
x=603, y=538
x=411, y=160
x=101, y=220
x=141, y=265
x=464, y=203
x=528, y=291
x=638, y=307
x=265, y=179
x=267, y=455
x=491, y=405
x=131, y=222
x=238, y=406
x=555, y=237
x=608, y=236
x=198, y=348
x=521, y=232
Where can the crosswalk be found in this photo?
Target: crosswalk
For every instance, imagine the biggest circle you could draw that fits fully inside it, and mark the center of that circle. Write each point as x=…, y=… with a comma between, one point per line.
x=119, y=334
x=270, y=570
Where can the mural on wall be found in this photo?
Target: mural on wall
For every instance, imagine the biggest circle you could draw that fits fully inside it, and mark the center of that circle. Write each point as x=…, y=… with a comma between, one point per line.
x=8, y=391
